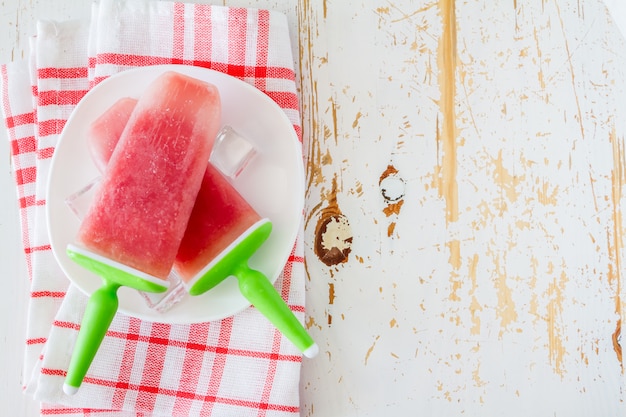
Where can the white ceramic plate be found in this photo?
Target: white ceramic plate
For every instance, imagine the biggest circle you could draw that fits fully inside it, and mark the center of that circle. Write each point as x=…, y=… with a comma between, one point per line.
x=273, y=183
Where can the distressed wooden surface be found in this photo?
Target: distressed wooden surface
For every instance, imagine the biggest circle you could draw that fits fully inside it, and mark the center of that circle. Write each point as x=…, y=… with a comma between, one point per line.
x=464, y=230
x=466, y=162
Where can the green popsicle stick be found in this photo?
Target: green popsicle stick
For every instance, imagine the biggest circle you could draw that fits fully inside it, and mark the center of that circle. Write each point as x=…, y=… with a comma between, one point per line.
x=255, y=286
x=101, y=309
x=263, y=296
x=99, y=313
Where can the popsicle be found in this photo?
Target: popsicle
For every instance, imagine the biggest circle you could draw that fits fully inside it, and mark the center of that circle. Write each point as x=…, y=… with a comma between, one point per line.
x=106, y=130
x=134, y=226
x=223, y=232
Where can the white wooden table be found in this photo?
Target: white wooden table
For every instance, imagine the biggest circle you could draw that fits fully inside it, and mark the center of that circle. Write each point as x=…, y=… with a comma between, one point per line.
x=465, y=234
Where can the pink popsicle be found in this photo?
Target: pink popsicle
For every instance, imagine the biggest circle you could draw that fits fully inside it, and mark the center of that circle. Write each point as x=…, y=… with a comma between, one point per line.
x=106, y=130
x=140, y=212
x=219, y=217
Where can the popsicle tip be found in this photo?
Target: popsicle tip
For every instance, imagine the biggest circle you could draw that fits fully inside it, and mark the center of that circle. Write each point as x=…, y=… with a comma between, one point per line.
x=311, y=351
x=69, y=390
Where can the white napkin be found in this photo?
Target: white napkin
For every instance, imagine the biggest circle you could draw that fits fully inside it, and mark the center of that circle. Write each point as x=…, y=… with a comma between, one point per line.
x=237, y=366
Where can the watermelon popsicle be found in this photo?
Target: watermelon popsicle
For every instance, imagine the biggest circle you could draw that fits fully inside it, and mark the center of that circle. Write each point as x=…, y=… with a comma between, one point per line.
x=102, y=137
x=223, y=232
x=134, y=226
x=107, y=129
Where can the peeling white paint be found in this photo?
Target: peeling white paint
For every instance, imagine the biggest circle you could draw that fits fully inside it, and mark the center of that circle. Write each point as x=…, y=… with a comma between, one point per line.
x=503, y=272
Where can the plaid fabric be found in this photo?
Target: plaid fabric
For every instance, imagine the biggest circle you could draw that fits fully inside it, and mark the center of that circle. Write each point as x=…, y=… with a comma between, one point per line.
x=239, y=366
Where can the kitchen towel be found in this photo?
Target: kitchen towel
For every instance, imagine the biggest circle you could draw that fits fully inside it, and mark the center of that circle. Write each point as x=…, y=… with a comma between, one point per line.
x=239, y=366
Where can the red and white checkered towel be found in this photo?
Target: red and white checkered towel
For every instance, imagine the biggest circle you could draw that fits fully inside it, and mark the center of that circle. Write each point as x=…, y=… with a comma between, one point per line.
x=239, y=366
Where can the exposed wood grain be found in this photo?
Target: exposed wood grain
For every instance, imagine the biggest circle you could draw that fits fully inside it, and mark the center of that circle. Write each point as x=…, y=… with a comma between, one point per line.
x=495, y=288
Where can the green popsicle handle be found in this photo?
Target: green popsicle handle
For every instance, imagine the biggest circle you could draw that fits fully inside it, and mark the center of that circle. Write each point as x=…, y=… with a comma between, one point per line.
x=99, y=313
x=263, y=296
x=101, y=308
